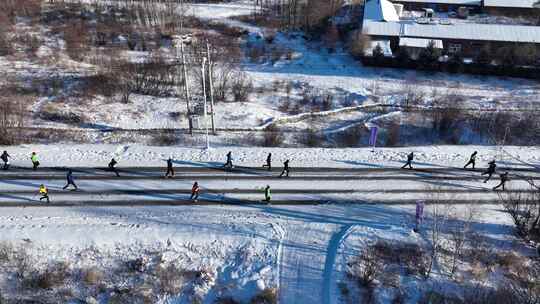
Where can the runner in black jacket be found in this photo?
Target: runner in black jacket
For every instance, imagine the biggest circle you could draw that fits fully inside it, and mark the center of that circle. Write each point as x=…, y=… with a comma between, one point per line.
x=285, y=168
x=170, y=169
x=472, y=160
x=5, y=158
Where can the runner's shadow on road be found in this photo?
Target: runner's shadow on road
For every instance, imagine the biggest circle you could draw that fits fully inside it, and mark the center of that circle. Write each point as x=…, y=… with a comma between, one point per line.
x=28, y=184
x=209, y=165
x=523, y=164
x=16, y=197
x=448, y=184
x=358, y=163
x=219, y=167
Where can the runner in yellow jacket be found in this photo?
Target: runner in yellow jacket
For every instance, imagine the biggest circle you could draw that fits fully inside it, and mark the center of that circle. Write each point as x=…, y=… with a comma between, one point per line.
x=44, y=192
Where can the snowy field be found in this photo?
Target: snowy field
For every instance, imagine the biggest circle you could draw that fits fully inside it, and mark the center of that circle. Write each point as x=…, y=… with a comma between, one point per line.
x=311, y=68
x=302, y=251
x=302, y=254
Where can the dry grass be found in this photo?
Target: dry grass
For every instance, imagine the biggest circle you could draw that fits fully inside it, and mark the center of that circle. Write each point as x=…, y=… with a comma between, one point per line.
x=267, y=296
x=92, y=276
x=170, y=279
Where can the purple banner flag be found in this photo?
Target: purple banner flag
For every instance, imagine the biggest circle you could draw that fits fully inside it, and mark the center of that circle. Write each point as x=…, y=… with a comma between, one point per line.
x=373, y=136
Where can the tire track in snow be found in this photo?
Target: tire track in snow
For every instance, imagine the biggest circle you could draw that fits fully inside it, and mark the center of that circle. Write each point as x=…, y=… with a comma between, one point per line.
x=302, y=263
x=331, y=254
x=282, y=234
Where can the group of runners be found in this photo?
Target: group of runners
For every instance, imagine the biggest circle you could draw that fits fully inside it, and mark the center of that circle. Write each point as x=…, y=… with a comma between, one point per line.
x=492, y=166
x=195, y=190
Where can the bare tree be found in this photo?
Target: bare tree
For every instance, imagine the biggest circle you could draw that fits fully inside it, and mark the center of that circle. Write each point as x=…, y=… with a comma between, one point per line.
x=524, y=208
x=366, y=267
x=438, y=213
x=458, y=230
x=12, y=114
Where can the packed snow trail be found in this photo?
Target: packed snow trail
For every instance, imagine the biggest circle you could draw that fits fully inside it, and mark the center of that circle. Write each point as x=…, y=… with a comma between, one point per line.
x=333, y=248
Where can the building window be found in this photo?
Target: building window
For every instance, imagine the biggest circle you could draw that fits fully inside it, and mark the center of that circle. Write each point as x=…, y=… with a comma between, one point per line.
x=454, y=48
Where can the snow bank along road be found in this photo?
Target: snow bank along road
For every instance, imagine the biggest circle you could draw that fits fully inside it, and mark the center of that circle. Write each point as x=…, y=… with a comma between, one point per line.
x=244, y=185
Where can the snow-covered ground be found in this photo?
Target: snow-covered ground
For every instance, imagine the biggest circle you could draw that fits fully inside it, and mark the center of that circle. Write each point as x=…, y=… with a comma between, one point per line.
x=312, y=65
x=137, y=155
x=301, y=250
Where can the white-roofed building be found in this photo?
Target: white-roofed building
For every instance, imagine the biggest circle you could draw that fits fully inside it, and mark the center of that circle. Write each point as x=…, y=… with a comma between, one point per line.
x=380, y=10
x=452, y=35
x=499, y=7
x=511, y=3
x=512, y=7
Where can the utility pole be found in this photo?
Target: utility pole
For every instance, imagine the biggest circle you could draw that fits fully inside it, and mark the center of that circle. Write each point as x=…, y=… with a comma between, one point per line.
x=186, y=86
x=204, y=98
x=211, y=84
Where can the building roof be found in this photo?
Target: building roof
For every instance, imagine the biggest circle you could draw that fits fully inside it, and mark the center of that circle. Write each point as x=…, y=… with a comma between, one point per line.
x=380, y=10
x=460, y=31
x=487, y=3
x=420, y=42
x=511, y=3
x=451, y=2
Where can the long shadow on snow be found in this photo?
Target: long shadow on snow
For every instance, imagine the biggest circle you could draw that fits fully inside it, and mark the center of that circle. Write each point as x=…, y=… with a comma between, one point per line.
x=359, y=163
x=9, y=196
x=29, y=184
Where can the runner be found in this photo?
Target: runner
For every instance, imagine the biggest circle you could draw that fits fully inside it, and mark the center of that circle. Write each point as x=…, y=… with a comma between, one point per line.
x=472, y=160
x=285, y=168
x=44, y=192
x=268, y=162
x=195, y=192
x=70, y=180
x=112, y=167
x=267, y=194
x=170, y=169
x=5, y=158
x=410, y=158
x=35, y=161
x=504, y=179
x=229, y=163
x=490, y=171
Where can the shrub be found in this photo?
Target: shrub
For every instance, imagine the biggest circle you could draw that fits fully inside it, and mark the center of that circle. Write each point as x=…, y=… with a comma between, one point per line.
x=165, y=138
x=241, y=86
x=51, y=113
x=138, y=264
x=54, y=275
x=273, y=137
x=312, y=138
x=350, y=137
x=5, y=45
x=92, y=276
x=429, y=56
x=6, y=251
x=435, y=297
x=409, y=255
x=378, y=52
x=366, y=267
x=226, y=300
x=170, y=279
x=267, y=296
x=393, y=134
x=403, y=55
x=358, y=43
x=23, y=263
